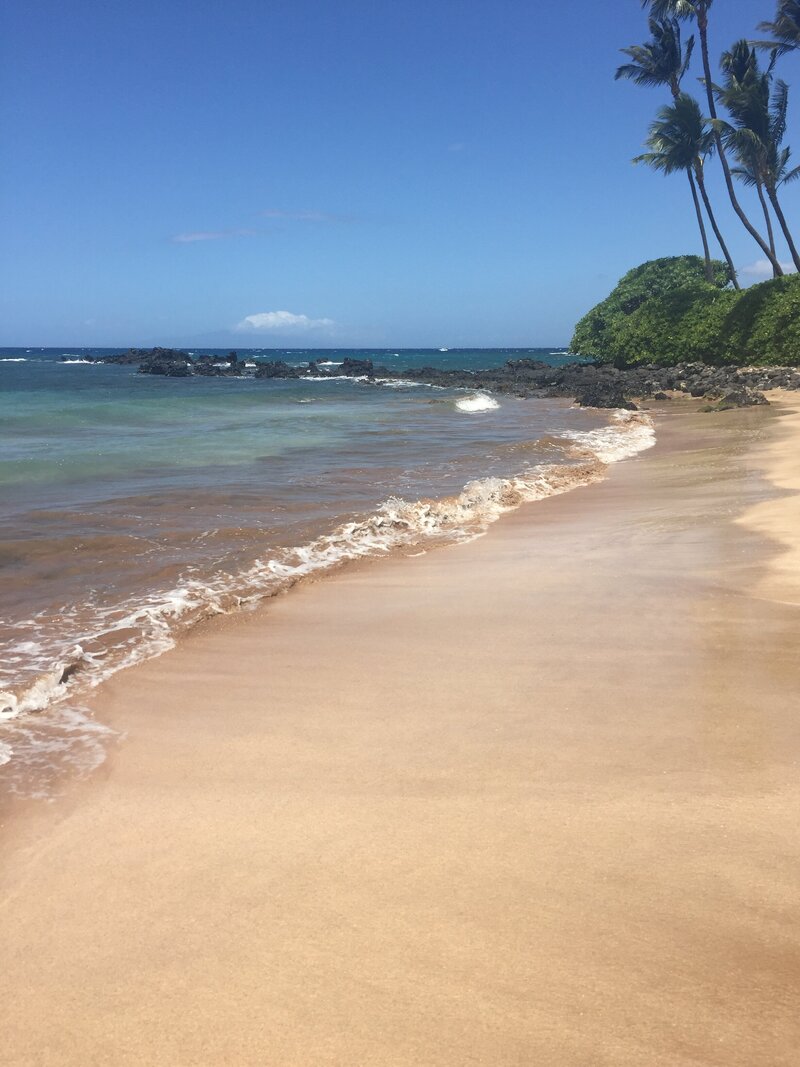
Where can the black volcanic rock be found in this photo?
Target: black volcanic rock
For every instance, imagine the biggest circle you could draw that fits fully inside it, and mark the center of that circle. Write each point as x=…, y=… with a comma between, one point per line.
x=132, y=357
x=741, y=398
x=603, y=395
x=167, y=361
x=595, y=385
x=355, y=367
x=278, y=369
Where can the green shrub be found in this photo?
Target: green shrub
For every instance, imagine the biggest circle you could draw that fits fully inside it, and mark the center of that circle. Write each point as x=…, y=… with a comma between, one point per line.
x=764, y=325
x=665, y=311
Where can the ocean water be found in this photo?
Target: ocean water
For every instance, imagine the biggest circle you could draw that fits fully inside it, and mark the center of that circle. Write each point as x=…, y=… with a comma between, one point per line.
x=131, y=506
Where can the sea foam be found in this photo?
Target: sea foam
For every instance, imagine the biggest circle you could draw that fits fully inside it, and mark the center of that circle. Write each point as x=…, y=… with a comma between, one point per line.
x=477, y=402
x=141, y=628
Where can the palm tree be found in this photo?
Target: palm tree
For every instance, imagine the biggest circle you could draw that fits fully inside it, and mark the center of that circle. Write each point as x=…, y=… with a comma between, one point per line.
x=661, y=60
x=776, y=164
x=679, y=140
x=698, y=10
x=784, y=30
x=664, y=61
x=749, y=173
x=757, y=132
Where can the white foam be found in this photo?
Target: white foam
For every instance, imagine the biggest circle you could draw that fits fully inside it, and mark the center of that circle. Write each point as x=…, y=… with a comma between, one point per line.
x=333, y=378
x=610, y=445
x=72, y=362
x=404, y=383
x=145, y=627
x=39, y=748
x=477, y=402
x=328, y=363
x=13, y=359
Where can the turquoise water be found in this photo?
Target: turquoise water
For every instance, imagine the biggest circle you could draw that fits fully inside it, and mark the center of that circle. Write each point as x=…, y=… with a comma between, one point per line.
x=132, y=506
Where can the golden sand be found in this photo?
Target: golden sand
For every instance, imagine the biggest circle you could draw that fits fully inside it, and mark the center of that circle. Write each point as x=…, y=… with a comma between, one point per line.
x=529, y=801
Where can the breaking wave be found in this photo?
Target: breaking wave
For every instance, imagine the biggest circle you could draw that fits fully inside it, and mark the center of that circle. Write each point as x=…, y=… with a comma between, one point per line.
x=477, y=402
x=129, y=633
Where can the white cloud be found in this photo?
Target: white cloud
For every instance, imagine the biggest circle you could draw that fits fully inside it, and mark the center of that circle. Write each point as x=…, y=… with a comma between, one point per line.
x=281, y=322
x=762, y=268
x=209, y=235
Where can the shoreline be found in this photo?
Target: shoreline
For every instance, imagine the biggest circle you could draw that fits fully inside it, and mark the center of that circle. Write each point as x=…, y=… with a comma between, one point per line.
x=588, y=383
x=64, y=685
x=456, y=808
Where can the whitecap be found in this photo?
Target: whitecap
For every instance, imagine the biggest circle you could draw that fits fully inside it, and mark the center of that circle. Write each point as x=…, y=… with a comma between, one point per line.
x=477, y=402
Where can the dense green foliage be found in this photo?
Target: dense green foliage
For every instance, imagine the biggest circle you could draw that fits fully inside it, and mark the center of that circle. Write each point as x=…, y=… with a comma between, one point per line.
x=664, y=311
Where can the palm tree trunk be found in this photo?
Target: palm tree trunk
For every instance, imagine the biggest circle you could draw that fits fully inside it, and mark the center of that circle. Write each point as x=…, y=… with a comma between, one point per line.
x=771, y=235
x=773, y=199
x=702, y=27
x=706, y=252
x=701, y=184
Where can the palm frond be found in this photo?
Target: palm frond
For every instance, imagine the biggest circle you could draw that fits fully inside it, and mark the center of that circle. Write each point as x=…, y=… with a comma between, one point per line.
x=745, y=176
x=659, y=61
x=784, y=29
x=687, y=59
x=679, y=9
x=780, y=105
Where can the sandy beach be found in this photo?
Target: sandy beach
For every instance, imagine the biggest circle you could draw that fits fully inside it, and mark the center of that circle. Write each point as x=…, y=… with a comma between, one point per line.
x=531, y=800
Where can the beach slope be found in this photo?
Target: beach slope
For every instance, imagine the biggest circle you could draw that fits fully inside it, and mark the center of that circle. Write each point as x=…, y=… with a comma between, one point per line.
x=528, y=800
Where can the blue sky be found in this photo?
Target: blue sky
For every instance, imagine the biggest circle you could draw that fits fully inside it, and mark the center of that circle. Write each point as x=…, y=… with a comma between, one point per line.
x=273, y=172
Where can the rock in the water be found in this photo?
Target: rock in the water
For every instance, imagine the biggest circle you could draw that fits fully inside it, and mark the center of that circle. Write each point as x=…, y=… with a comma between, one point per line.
x=277, y=368
x=737, y=398
x=167, y=361
x=603, y=395
x=743, y=398
x=356, y=367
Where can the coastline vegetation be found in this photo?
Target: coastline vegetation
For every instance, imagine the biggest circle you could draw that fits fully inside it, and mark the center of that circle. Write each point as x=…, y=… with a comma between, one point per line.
x=692, y=307
x=667, y=311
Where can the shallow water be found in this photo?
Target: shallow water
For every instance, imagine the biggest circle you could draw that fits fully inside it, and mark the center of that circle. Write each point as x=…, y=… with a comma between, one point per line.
x=132, y=506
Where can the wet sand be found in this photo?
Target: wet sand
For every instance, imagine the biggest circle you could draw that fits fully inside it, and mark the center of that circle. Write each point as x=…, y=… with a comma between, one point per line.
x=527, y=801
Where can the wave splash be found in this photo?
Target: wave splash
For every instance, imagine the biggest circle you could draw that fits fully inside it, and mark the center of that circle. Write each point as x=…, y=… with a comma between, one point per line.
x=133, y=632
x=477, y=402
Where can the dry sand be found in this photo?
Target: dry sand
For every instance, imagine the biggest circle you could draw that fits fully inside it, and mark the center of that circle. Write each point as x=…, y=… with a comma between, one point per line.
x=527, y=801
